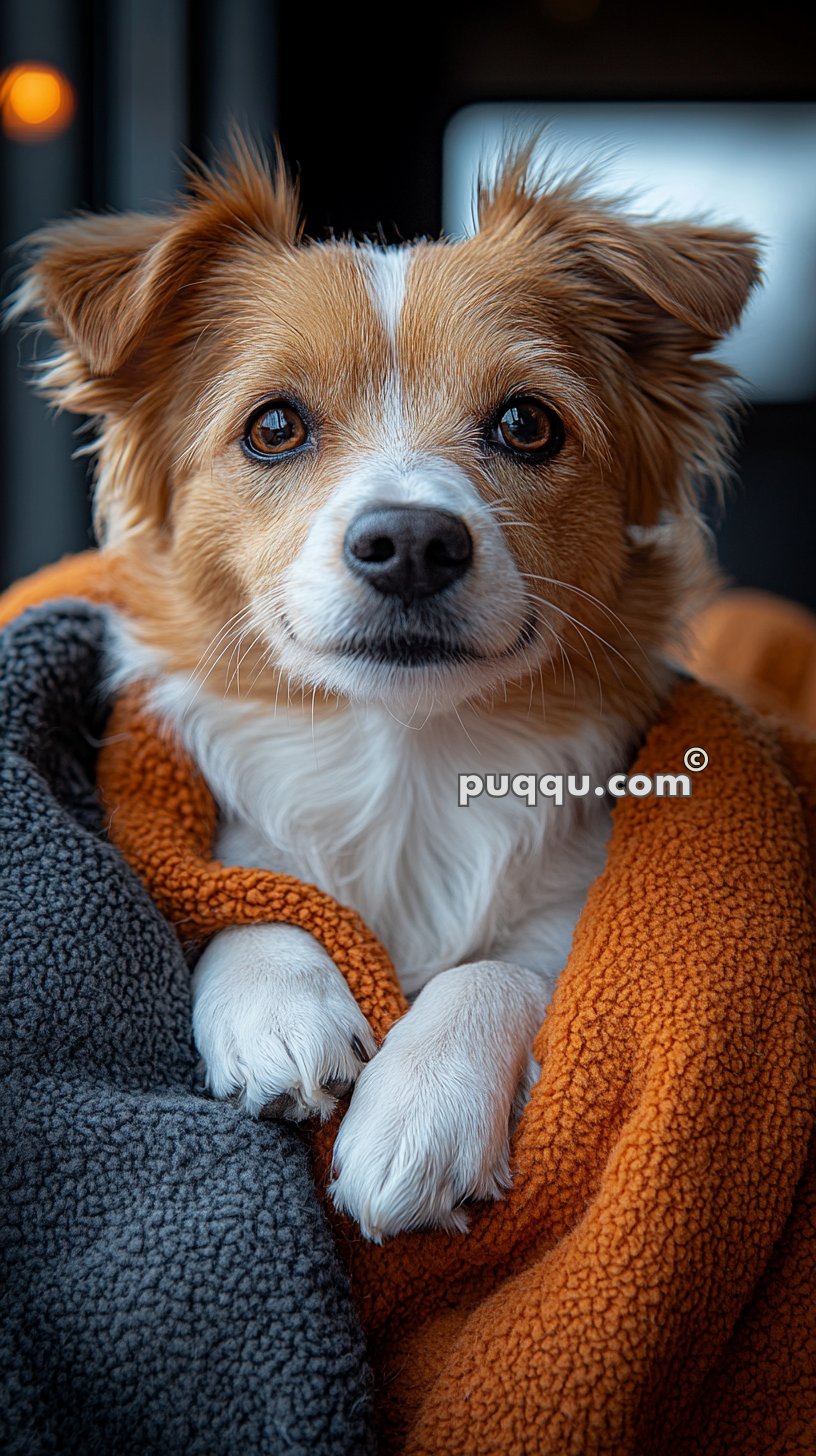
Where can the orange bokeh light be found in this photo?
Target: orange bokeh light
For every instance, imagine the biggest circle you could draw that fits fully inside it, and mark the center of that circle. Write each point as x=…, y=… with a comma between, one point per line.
x=36, y=101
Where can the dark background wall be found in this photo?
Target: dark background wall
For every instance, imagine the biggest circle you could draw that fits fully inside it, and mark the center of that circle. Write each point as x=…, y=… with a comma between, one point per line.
x=361, y=96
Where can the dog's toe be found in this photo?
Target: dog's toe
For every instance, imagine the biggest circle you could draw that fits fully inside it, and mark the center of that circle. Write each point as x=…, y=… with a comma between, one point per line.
x=277, y=1027
x=411, y=1152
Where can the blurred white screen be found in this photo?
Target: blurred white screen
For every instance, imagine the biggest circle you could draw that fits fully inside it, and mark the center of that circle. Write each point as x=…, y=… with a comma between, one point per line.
x=753, y=164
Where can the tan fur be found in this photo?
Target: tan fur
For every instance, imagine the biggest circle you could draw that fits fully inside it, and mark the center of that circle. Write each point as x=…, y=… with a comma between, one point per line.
x=171, y=329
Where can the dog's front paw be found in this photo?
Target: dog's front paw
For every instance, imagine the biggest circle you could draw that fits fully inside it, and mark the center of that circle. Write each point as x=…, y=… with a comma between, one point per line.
x=430, y=1119
x=416, y=1142
x=275, y=1023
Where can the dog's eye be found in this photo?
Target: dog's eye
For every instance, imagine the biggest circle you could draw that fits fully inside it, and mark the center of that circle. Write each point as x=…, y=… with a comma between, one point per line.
x=274, y=429
x=528, y=427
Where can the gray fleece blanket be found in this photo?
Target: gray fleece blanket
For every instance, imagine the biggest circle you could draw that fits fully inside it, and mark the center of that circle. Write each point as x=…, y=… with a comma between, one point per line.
x=169, y=1281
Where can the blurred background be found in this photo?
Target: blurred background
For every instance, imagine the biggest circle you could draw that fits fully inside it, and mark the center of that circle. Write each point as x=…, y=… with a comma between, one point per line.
x=385, y=113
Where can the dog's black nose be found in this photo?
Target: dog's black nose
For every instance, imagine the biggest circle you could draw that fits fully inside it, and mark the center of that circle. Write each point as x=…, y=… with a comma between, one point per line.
x=408, y=551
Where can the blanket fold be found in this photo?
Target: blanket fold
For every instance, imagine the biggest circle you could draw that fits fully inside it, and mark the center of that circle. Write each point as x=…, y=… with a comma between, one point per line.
x=169, y=1282
x=649, y=1283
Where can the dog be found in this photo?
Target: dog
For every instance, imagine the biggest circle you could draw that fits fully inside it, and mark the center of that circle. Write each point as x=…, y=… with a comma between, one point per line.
x=389, y=514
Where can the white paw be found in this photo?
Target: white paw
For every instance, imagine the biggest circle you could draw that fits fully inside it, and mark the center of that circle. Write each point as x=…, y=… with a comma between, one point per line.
x=430, y=1118
x=275, y=1023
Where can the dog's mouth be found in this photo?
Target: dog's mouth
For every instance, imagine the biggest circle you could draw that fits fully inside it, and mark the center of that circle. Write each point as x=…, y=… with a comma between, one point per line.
x=404, y=648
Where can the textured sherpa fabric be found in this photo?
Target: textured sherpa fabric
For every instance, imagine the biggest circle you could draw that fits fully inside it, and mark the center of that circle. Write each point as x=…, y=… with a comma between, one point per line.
x=169, y=1281
x=648, y=1286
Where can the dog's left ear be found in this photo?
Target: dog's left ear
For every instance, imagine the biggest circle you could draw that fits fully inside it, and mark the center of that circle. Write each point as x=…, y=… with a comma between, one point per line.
x=638, y=277
x=654, y=299
x=665, y=294
x=662, y=281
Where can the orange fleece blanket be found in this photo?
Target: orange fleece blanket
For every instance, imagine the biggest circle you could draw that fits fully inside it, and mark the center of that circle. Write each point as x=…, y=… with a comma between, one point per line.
x=762, y=649
x=649, y=1283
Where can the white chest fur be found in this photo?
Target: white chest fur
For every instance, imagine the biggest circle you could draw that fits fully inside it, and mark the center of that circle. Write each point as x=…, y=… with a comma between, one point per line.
x=367, y=808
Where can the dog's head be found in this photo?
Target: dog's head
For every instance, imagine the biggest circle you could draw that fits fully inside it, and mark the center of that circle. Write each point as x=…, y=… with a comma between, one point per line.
x=412, y=474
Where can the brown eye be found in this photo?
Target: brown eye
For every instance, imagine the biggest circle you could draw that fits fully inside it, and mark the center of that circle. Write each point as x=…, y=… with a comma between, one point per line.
x=274, y=429
x=526, y=426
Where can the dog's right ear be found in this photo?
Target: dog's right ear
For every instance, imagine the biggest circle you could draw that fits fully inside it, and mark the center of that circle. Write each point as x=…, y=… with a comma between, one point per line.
x=99, y=282
x=96, y=282
x=119, y=294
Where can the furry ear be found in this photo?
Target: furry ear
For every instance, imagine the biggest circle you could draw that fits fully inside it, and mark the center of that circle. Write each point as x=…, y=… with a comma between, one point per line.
x=647, y=274
x=116, y=294
x=654, y=298
x=99, y=282
x=658, y=276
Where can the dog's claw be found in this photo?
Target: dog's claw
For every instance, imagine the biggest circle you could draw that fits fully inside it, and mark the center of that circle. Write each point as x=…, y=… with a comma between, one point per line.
x=278, y=1107
x=198, y=1080
x=359, y=1050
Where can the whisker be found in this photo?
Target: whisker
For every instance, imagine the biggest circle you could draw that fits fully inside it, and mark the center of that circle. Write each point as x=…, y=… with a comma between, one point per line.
x=277, y=694
x=497, y=507
x=582, y=626
x=228, y=632
x=543, y=693
x=565, y=658
x=588, y=596
x=464, y=729
x=230, y=670
x=266, y=658
x=578, y=626
x=314, y=742
x=229, y=638
x=214, y=641
x=241, y=655
x=530, y=700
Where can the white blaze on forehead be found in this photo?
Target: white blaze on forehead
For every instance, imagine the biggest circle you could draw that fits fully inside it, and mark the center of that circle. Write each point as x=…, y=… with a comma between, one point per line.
x=387, y=277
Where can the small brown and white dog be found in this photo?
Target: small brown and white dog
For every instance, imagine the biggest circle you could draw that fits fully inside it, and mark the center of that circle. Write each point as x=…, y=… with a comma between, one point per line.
x=391, y=514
